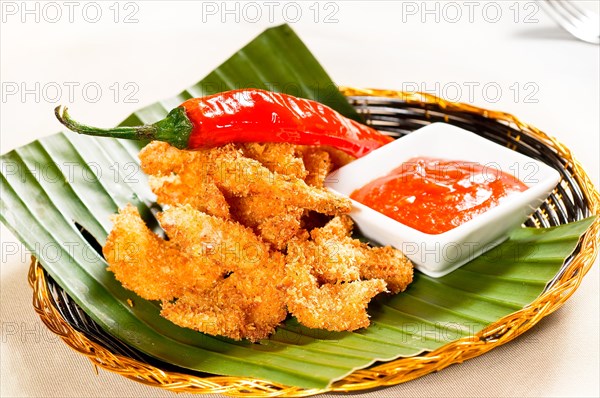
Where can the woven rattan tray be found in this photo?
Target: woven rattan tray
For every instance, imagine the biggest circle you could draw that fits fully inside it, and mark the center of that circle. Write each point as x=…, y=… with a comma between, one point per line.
x=397, y=113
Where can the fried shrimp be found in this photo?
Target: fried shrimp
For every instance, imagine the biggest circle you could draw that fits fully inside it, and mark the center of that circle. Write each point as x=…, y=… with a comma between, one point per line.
x=353, y=258
x=384, y=263
x=249, y=292
x=275, y=222
x=174, y=184
x=206, y=197
x=268, y=196
x=150, y=266
x=334, y=307
x=278, y=222
x=318, y=163
x=252, y=236
x=213, y=275
x=237, y=175
x=227, y=243
x=332, y=268
x=331, y=254
x=242, y=176
x=282, y=158
x=244, y=305
x=390, y=265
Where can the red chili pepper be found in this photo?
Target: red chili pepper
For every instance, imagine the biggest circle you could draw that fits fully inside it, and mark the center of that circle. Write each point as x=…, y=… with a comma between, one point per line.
x=249, y=115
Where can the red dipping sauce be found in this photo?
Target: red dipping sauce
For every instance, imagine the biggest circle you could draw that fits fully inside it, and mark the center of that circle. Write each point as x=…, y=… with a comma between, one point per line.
x=436, y=195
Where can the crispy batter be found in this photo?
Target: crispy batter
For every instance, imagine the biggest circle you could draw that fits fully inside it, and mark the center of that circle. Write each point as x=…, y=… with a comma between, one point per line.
x=173, y=183
x=251, y=285
x=390, y=265
x=332, y=258
x=282, y=158
x=161, y=159
x=333, y=307
x=229, y=244
x=232, y=213
x=348, y=257
x=214, y=312
x=237, y=175
x=222, y=277
x=242, y=176
x=281, y=228
x=244, y=305
x=175, y=190
x=338, y=262
x=338, y=158
x=148, y=265
x=319, y=165
x=276, y=223
x=221, y=180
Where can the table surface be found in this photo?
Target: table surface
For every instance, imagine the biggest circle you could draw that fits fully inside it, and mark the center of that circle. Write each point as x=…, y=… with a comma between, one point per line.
x=500, y=55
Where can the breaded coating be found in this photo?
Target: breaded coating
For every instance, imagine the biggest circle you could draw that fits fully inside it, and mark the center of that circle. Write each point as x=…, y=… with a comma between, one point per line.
x=177, y=190
x=319, y=165
x=244, y=305
x=213, y=275
x=277, y=223
x=230, y=244
x=148, y=265
x=252, y=234
x=241, y=176
x=281, y=228
x=214, y=312
x=331, y=278
x=338, y=227
x=173, y=183
x=390, y=265
x=222, y=180
x=330, y=262
x=342, y=257
x=237, y=175
x=338, y=158
x=250, y=290
x=282, y=158
x=158, y=158
x=332, y=255
x=335, y=307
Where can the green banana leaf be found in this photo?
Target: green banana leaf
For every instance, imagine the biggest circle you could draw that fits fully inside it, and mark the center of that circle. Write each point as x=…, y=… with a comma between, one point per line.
x=54, y=188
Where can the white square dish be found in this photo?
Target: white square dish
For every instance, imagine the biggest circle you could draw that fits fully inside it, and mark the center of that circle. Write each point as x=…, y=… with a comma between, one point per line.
x=437, y=255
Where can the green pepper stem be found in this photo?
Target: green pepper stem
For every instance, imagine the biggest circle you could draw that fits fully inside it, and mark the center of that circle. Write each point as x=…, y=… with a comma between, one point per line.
x=175, y=128
x=145, y=132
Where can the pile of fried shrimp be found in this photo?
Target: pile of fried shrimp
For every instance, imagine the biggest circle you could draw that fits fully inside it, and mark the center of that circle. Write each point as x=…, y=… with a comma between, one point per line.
x=250, y=236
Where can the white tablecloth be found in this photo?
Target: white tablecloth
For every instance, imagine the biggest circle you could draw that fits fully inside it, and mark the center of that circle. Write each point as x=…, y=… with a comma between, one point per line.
x=501, y=55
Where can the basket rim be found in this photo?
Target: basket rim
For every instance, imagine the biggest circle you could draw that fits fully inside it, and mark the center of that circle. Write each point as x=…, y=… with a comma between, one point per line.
x=386, y=374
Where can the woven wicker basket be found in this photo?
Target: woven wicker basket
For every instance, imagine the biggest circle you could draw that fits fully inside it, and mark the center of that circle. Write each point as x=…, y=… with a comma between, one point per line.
x=397, y=113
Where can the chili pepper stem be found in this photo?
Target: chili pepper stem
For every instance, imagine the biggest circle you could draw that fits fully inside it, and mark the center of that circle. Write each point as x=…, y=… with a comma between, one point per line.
x=175, y=128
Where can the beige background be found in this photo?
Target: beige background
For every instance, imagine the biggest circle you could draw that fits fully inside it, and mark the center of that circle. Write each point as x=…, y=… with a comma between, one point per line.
x=372, y=44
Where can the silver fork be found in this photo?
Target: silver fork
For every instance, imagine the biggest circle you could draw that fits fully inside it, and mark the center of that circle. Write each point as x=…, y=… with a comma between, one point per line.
x=583, y=24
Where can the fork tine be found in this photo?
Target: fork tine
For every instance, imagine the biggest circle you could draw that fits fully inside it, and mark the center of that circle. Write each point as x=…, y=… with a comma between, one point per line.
x=558, y=14
x=573, y=9
x=573, y=19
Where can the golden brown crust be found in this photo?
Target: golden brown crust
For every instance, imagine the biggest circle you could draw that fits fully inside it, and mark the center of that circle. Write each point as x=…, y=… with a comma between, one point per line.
x=336, y=307
x=331, y=278
x=252, y=235
x=343, y=257
x=182, y=177
x=390, y=265
x=318, y=163
x=222, y=277
x=338, y=158
x=282, y=158
x=143, y=262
